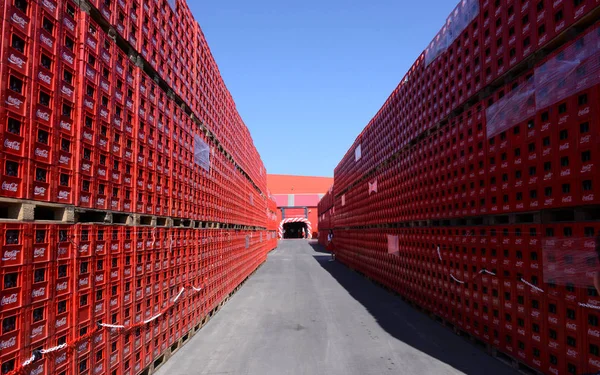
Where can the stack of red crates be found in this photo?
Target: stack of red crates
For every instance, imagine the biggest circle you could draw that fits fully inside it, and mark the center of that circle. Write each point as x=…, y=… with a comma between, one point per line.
x=89, y=125
x=473, y=170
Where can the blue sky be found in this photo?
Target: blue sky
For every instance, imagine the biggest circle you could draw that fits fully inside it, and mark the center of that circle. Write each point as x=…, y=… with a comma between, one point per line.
x=308, y=76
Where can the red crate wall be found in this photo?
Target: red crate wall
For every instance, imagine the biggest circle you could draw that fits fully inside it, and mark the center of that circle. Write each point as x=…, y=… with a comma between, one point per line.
x=87, y=126
x=428, y=162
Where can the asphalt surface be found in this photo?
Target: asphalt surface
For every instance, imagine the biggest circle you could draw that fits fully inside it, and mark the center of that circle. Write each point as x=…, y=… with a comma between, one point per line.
x=302, y=314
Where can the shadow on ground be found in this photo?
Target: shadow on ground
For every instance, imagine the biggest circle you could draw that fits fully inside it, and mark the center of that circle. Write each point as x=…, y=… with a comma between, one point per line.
x=318, y=248
x=410, y=326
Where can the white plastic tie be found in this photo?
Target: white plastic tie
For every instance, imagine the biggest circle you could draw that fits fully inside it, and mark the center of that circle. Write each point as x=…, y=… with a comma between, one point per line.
x=196, y=289
x=111, y=326
x=29, y=361
x=152, y=319
x=455, y=279
x=54, y=349
x=488, y=272
x=532, y=286
x=439, y=253
x=179, y=295
x=589, y=306
x=153, y=237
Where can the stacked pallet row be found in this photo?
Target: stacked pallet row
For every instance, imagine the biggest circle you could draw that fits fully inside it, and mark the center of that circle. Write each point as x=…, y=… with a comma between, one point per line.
x=272, y=222
x=154, y=158
x=474, y=191
x=326, y=214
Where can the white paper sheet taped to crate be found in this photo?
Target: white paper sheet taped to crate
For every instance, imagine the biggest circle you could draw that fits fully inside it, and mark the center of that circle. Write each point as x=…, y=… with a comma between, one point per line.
x=570, y=261
x=201, y=153
x=373, y=187
x=393, y=244
x=357, y=153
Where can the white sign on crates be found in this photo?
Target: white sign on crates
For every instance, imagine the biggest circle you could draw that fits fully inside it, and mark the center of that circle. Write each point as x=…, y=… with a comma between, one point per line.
x=357, y=153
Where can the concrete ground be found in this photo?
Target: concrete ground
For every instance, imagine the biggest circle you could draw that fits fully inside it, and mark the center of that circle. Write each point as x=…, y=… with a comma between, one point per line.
x=301, y=314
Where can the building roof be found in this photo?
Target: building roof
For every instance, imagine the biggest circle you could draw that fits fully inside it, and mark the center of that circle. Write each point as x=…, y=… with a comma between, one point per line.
x=286, y=184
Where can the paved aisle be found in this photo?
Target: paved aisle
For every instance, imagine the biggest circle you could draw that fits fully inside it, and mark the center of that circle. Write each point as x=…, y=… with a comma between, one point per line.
x=301, y=314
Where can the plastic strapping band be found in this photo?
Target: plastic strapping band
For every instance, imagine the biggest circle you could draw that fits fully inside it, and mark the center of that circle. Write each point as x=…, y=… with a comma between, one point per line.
x=439, y=253
x=111, y=326
x=178, y=295
x=589, y=306
x=153, y=318
x=196, y=289
x=54, y=349
x=29, y=361
x=532, y=286
x=455, y=279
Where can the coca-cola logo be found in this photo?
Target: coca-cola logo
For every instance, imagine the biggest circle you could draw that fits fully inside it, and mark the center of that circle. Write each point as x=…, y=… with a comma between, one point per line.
x=68, y=58
x=14, y=102
x=60, y=359
x=10, y=255
x=41, y=153
x=39, y=370
x=40, y=292
x=10, y=186
x=37, y=331
x=594, y=362
x=19, y=20
x=39, y=191
x=70, y=25
x=61, y=322
x=88, y=103
x=64, y=159
x=16, y=60
x=65, y=125
x=90, y=73
x=572, y=353
x=588, y=197
x=102, y=172
x=8, y=343
x=567, y=199
x=67, y=91
x=8, y=300
x=91, y=42
x=99, y=278
x=83, y=281
x=104, y=85
x=39, y=252
x=583, y=112
x=49, y=5
x=47, y=41
x=61, y=286
x=13, y=145
x=44, y=78
x=62, y=195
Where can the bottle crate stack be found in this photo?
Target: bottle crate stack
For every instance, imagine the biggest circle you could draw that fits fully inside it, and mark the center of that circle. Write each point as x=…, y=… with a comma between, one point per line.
x=326, y=214
x=116, y=110
x=474, y=190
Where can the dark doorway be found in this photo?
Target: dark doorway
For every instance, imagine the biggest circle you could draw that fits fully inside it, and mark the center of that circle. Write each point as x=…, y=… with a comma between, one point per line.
x=294, y=230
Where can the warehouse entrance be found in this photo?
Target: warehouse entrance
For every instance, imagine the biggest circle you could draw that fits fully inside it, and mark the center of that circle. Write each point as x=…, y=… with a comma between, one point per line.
x=294, y=230
x=295, y=227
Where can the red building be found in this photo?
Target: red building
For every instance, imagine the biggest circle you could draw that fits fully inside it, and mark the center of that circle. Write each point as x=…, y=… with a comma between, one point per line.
x=297, y=198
